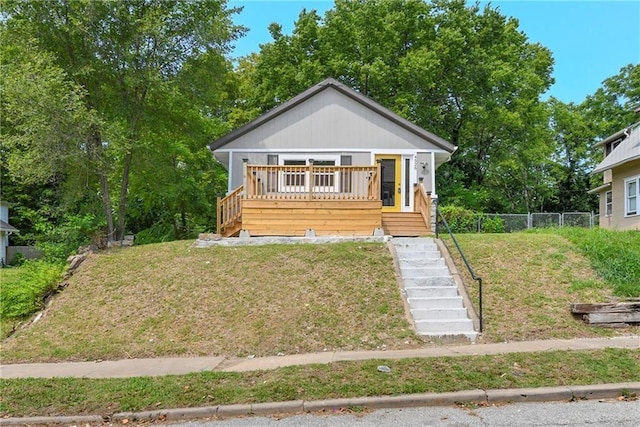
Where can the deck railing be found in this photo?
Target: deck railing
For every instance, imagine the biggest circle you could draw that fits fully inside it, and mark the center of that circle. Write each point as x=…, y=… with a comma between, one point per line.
x=312, y=182
x=229, y=209
x=422, y=203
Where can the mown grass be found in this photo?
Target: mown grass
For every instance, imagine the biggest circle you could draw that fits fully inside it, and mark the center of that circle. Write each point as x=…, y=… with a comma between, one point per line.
x=173, y=299
x=48, y=397
x=22, y=290
x=530, y=280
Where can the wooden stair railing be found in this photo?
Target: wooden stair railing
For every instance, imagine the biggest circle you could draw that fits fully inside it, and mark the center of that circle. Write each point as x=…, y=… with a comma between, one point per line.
x=229, y=211
x=422, y=204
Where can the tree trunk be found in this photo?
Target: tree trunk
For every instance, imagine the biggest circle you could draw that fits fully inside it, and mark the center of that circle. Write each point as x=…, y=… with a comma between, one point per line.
x=95, y=142
x=124, y=191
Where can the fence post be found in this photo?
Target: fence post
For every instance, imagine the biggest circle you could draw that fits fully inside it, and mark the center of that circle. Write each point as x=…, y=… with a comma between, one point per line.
x=529, y=221
x=561, y=220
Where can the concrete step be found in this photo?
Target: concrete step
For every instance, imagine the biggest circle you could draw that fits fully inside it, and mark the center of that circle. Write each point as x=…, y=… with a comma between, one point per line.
x=435, y=302
x=416, y=247
x=441, y=314
x=432, y=292
x=419, y=282
x=415, y=244
x=445, y=327
x=421, y=263
x=451, y=337
x=405, y=253
x=408, y=273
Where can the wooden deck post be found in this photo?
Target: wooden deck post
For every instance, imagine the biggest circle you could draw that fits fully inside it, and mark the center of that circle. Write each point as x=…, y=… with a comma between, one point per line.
x=245, y=163
x=219, y=215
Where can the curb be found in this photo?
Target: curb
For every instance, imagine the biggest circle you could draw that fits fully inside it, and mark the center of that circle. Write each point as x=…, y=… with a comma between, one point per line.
x=517, y=395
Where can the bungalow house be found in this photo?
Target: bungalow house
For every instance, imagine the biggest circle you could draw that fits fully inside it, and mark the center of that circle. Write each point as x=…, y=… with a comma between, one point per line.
x=620, y=193
x=329, y=161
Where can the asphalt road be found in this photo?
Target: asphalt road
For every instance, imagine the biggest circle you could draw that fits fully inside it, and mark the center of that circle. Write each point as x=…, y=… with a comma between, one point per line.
x=582, y=413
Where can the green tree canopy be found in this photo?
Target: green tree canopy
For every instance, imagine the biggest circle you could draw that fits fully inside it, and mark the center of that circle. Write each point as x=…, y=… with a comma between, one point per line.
x=135, y=74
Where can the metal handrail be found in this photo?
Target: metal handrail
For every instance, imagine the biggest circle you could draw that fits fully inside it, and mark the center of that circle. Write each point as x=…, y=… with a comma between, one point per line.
x=473, y=274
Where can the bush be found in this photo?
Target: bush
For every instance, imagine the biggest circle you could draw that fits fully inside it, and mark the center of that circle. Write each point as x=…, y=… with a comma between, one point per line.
x=492, y=225
x=24, y=296
x=460, y=220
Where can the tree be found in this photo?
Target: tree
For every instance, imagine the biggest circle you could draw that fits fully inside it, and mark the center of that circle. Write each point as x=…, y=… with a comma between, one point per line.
x=121, y=54
x=573, y=157
x=611, y=107
x=465, y=73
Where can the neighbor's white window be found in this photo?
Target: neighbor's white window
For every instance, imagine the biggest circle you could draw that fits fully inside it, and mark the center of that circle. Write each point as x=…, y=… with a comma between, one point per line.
x=608, y=202
x=631, y=195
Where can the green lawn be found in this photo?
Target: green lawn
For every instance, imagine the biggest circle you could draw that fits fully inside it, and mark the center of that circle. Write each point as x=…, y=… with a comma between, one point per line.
x=32, y=397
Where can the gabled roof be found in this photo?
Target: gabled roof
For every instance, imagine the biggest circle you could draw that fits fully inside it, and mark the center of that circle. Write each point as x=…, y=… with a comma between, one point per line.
x=5, y=226
x=347, y=91
x=626, y=151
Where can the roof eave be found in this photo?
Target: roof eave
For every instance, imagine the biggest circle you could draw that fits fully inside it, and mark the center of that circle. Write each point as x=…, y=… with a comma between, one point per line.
x=600, y=169
x=599, y=189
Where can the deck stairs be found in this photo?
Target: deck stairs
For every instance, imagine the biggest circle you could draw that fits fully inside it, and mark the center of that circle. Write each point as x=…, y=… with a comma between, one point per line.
x=405, y=224
x=429, y=288
x=233, y=229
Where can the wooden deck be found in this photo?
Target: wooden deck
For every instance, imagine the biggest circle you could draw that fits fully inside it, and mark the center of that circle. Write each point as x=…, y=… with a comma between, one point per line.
x=325, y=217
x=340, y=200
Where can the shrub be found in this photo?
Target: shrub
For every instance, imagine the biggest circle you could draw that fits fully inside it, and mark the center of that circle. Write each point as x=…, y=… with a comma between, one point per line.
x=492, y=225
x=460, y=220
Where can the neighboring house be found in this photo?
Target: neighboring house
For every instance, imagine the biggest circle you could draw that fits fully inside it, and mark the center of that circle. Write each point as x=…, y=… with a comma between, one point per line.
x=5, y=230
x=620, y=192
x=332, y=161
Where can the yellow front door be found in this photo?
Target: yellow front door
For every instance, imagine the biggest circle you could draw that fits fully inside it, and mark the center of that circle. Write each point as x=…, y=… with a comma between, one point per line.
x=390, y=183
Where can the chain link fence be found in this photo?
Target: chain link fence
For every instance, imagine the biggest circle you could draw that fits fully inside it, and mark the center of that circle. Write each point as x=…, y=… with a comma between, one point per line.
x=508, y=223
x=518, y=222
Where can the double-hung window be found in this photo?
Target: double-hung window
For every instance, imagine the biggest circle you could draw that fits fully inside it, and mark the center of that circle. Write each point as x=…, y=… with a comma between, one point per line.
x=608, y=203
x=631, y=195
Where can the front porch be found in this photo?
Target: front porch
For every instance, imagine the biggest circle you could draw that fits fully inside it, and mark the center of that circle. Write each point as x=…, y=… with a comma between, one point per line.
x=290, y=200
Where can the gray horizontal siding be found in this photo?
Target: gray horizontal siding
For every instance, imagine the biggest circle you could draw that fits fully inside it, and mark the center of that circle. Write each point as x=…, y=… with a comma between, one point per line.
x=330, y=120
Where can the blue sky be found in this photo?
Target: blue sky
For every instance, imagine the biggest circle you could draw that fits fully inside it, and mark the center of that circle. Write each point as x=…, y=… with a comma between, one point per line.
x=590, y=40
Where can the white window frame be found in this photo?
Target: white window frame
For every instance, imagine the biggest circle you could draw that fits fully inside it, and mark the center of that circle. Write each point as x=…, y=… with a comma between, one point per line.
x=628, y=196
x=608, y=203
x=307, y=179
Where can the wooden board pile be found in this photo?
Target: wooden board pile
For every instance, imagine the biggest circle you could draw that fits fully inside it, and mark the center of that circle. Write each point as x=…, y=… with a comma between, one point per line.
x=609, y=314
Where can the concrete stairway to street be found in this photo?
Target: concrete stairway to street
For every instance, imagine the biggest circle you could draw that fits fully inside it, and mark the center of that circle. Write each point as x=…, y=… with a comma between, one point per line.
x=429, y=288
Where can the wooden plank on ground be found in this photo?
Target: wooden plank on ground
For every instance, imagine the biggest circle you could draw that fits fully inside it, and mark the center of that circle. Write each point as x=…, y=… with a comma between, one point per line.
x=619, y=307
x=597, y=318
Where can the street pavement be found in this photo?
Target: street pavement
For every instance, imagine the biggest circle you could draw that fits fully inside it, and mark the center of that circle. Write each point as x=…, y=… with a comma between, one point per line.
x=594, y=413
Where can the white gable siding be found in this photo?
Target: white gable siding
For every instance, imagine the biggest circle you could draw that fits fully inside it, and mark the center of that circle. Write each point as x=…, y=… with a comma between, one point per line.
x=329, y=120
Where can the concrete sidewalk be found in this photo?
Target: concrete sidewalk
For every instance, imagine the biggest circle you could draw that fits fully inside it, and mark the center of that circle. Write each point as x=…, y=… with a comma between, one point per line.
x=183, y=365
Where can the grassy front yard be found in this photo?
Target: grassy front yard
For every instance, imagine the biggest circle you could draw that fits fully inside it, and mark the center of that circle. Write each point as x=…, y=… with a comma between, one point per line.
x=171, y=299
